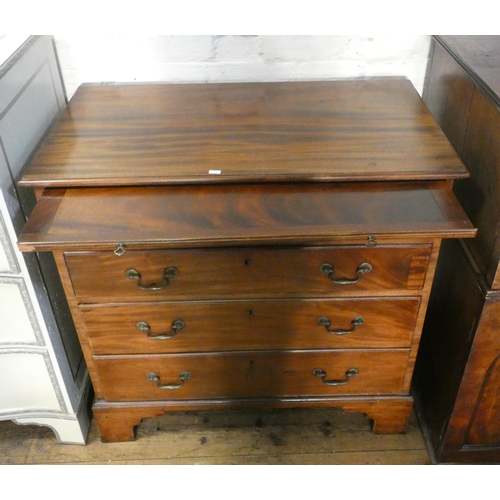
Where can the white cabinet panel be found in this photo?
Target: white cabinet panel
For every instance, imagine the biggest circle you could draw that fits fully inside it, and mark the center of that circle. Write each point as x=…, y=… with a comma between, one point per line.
x=26, y=383
x=18, y=324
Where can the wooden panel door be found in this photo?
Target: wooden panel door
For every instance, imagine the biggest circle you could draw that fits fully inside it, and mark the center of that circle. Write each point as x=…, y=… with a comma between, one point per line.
x=478, y=399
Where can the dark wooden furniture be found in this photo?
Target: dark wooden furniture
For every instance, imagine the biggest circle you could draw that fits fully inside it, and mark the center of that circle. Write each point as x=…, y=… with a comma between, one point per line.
x=457, y=378
x=247, y=245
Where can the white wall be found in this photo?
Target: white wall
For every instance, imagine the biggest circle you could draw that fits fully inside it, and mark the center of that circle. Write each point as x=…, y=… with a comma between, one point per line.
x=222, y=58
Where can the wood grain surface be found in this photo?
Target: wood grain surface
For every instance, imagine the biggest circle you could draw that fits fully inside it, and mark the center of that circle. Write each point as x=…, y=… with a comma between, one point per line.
x=307, y=436
x=248, y=191
x=245, y=273
x=252, y=374
x=254, y=325
x=377, y=129
x=243, y=214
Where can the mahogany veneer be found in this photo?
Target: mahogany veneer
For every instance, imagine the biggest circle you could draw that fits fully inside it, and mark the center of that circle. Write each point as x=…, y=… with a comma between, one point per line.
x=202, y=274
x=252, y=324
x=323, y=131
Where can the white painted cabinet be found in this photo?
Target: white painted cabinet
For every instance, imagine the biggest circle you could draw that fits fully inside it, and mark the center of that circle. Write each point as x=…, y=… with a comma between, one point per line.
x=43, y=378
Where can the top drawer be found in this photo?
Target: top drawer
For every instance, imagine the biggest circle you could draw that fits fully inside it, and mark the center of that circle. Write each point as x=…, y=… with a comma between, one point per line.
x=245, y=273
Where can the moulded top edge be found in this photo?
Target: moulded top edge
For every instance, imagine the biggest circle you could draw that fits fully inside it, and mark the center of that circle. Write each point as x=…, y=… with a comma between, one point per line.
x=377, y=129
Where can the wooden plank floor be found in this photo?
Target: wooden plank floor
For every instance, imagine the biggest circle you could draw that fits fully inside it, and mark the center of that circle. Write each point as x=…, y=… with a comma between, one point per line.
x=286, y=437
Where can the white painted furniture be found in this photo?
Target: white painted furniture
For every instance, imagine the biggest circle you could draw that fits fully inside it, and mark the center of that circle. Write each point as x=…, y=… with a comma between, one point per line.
x=43, y=378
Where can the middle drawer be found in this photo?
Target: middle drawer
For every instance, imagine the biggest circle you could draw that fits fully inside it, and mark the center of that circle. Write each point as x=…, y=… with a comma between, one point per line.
x=255, y=325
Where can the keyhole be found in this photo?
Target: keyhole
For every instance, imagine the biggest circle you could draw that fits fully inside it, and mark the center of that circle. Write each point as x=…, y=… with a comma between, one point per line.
x=250, y=312
x=247, y=262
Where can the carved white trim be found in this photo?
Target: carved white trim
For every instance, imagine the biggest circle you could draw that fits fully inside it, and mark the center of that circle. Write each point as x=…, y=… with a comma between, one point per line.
x=55, y=383
x=31, y=412
x=8, y=250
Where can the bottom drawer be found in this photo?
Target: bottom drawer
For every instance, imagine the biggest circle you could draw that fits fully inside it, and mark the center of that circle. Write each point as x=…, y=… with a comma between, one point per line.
x=247, y=374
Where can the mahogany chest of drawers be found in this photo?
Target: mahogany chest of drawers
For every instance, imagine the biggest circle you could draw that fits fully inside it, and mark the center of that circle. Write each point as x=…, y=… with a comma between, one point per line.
x=246, y=245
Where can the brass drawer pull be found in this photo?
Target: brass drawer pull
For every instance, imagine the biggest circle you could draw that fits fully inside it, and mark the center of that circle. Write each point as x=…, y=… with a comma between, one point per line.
x=170, y=272
x=176, y=326
x=357, y=321
x=152, y=377
x=328, y=269
x=352, y=372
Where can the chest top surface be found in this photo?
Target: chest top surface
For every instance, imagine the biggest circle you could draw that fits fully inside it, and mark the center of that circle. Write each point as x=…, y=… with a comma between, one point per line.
x=153, y=134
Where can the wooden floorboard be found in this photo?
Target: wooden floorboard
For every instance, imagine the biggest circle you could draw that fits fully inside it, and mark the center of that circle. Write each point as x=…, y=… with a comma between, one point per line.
x=285, y=437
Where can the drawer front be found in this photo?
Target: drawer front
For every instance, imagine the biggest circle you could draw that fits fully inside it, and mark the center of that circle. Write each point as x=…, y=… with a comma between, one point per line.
x=251, y=273
x=251, y=375
x=253, y=325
